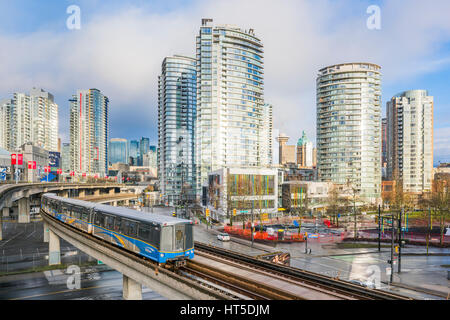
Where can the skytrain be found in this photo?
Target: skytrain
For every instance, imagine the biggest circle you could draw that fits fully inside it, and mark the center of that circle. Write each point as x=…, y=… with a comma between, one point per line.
x=157, y=237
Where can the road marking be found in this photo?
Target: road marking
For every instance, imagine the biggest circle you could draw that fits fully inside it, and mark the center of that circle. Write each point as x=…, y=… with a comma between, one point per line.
x=11, y=239
x=64, y=291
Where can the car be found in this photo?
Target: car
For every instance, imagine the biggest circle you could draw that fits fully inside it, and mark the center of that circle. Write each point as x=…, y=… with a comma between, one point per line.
x=223, y=237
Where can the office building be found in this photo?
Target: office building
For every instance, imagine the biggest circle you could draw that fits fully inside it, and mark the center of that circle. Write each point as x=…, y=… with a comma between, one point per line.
x=305, y=152
x=349, y=127
x=118, y=151
x=287, y=153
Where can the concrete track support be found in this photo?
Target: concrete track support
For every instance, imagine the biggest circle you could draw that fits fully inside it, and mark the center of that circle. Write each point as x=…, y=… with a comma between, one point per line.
x=82, y=193
x=24, y=210
x=46, y=232
x=5, y=212
x=54, y=251
x=132, y=290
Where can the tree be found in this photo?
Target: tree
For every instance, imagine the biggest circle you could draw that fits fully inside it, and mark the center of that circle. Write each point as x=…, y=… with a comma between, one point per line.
x=439, y=201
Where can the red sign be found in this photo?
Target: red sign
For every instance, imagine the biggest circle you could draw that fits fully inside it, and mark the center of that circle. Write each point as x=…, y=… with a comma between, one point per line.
x=13, y=159
x=72, y=173
x=47, y=169
x=96, y=176
x=20, y=159
x=31, y=165
x=59, y=171
x=84, y=174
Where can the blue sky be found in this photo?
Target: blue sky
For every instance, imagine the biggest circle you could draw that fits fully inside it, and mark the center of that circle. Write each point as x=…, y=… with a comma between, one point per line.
x=121, y=44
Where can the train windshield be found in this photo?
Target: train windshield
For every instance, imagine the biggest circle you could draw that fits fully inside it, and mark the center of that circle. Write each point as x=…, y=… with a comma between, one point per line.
x=179, y=237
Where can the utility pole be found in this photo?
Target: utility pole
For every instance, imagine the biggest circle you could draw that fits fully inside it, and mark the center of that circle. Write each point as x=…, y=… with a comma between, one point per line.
x=392, y=248
x=400, y=240
x=253, y=204
x=379, y=228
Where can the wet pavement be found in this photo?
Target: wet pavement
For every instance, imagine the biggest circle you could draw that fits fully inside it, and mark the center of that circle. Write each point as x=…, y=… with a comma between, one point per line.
x=23, y=248
x=363, y=264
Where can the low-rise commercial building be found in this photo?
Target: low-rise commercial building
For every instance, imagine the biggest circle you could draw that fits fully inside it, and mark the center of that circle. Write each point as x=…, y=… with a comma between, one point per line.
x=245, y=189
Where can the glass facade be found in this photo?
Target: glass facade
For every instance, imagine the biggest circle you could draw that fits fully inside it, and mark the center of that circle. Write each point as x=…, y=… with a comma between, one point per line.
x=177, y=112
x=118, y=151
x=89, y=132
x=349, y=127
x=234, y=124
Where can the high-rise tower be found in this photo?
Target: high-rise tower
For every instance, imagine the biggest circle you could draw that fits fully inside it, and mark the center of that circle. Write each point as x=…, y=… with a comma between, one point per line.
x=410, y=140
x=230, y=100
x=89, y=131
x=349, y=127
x=177, y=110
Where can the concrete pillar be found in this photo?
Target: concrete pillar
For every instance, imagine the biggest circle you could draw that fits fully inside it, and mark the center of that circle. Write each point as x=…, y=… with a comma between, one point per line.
x=82, y=193
x=54, y=253
x=24, y=210
x=127, y=202
x=111, y=191
x=114, y=203
x=46, y=232
x=131, y=289
x=5, y=212
x=65, y=193
x=97, y=192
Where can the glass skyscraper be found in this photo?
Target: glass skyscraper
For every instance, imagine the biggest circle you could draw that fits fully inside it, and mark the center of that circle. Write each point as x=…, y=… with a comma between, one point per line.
x=349, y=127
x=89, y=132
x=118, y=151
x=133, y=152
x=232, y=125
x=176, y=127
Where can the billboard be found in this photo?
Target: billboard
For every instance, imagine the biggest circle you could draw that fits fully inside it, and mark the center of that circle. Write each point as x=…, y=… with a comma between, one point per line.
x=54, y=159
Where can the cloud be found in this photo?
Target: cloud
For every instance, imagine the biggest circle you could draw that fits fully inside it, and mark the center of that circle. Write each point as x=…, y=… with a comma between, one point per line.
x=120, y=52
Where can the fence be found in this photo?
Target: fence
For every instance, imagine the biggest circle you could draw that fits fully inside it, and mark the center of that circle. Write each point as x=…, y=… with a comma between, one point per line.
x=411, y=236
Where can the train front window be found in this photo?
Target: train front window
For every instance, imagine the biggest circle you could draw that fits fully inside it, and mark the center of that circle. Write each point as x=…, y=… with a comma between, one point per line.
x=179, y=237
x=166, y=238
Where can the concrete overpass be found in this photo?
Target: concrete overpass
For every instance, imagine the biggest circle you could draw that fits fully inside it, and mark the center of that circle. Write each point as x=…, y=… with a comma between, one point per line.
x=136, y=271
x=17, y=199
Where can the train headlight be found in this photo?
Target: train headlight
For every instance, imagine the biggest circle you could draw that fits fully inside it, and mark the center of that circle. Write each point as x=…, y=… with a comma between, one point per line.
x=162, y=255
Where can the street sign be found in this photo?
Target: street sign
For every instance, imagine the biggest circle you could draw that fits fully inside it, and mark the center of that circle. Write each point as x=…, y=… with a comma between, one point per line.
x=20, y=159
x=207, y=212
x=234, y=212
x=13, y=159
x=281, y=209
x=244, y=211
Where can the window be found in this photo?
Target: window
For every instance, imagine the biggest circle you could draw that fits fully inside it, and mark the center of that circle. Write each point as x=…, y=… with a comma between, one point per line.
x=166, y=238
x=144, y=232
x=109, y=222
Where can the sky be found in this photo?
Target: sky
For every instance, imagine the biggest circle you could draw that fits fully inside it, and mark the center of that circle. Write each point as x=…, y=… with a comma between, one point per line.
x=121, y=44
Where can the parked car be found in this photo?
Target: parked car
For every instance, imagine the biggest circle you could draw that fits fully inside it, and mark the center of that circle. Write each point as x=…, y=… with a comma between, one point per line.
x=223, y=237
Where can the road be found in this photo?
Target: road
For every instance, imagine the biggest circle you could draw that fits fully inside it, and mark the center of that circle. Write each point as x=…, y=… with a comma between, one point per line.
x=23, y=249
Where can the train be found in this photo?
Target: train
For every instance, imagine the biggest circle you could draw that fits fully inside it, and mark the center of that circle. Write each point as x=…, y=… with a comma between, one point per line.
x=153, y=236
